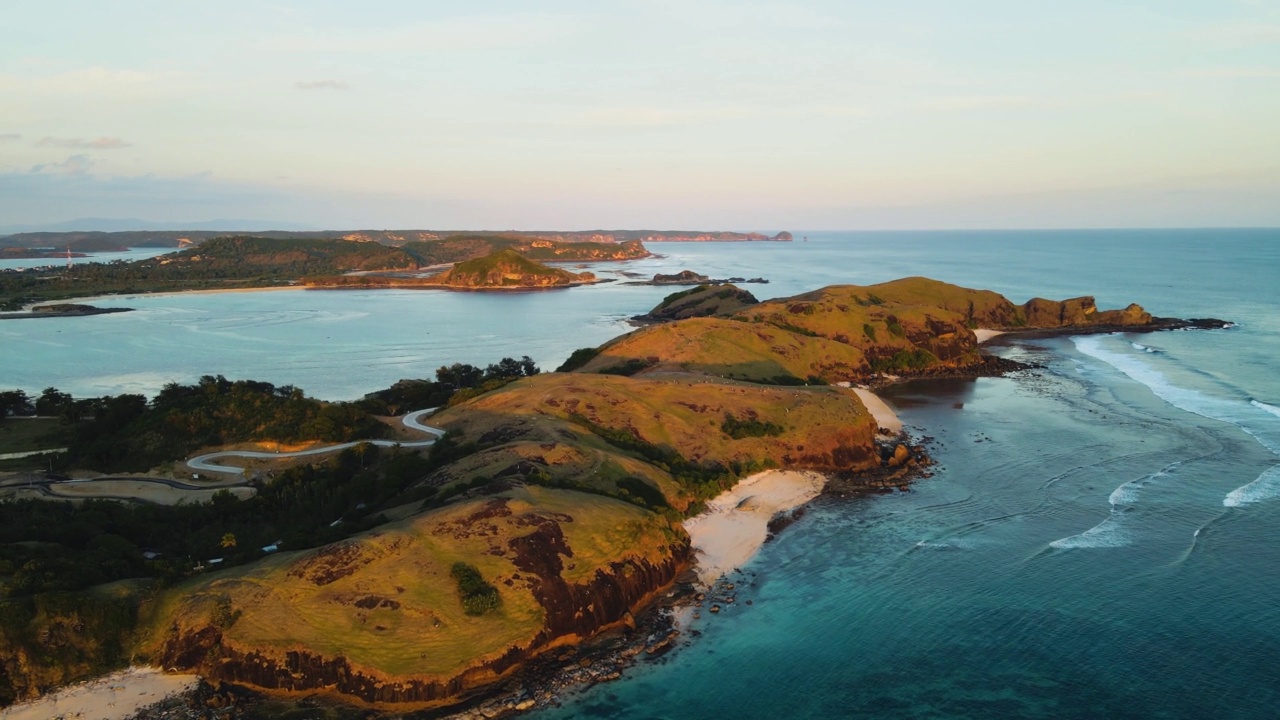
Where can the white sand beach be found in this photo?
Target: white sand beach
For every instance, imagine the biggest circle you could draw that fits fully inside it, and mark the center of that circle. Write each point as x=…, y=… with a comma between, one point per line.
x=111, y=697
x=985, y=334
x=735, y=524
x=884, y=415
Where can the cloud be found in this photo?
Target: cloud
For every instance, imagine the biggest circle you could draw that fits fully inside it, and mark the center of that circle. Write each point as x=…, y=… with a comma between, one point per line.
x=321, y=85
x=101, y=143
x=76, y=165
x=10, y=137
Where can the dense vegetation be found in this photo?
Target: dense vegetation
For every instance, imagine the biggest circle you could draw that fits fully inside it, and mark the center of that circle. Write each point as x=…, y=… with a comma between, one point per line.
x=453, y=384
x=59, y=546
x=738, y=428
x=127, y=433
x=478, y=597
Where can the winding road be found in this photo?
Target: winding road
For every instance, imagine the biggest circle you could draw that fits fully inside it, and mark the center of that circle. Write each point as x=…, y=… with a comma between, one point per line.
x=204, y=463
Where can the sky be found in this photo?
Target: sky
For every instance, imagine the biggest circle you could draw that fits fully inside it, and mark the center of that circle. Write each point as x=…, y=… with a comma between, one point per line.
x=809, y=115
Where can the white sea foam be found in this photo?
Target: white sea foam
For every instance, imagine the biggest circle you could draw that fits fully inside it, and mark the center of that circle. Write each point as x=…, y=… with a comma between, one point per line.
x=1269, y=408
x=1106, y=534
x=1262, y=427
x=1127, y=493
x=1267, y=486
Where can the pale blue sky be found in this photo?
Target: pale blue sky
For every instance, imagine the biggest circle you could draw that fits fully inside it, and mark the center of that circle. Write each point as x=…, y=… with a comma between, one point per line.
x=801, y=115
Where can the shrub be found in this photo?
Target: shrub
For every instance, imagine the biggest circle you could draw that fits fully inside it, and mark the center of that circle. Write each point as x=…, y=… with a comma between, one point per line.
x=869, y=330
x=739, y=429
x=578, y=358
x=905, y=360
x=478, y=596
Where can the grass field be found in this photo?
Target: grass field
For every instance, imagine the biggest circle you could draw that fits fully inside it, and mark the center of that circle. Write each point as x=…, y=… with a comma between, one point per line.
x=386, y=600
x=27, y=434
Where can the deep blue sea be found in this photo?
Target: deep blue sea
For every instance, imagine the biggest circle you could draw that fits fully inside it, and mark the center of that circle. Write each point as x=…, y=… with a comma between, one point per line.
x=1101, y=539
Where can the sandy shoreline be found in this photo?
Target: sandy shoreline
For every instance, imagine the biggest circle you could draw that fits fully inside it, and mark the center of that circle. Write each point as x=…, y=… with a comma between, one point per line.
x=110, y=697
x=884, y=415
x=736, y=523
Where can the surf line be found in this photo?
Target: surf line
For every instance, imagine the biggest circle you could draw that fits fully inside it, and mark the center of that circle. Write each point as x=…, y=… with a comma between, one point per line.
x=1267, y=485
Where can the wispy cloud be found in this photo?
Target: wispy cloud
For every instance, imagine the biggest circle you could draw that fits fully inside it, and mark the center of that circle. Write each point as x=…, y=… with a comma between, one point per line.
x=321, y=85
x=75, y=165
x=10, y=137
x=101, y=143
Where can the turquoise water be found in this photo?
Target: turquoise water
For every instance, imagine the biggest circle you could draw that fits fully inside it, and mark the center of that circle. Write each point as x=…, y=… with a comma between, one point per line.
x=128, y=256
x=1100, y=541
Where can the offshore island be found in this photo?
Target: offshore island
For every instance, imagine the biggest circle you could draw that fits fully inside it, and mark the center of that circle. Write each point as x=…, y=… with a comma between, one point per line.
x=476, y=569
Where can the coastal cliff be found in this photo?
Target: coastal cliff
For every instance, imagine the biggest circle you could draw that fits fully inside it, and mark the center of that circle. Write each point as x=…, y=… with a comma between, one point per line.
x=846, y=333
x=376, y=618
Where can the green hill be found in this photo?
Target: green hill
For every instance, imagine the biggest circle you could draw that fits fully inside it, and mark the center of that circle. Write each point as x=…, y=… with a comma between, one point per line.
x=506, y=269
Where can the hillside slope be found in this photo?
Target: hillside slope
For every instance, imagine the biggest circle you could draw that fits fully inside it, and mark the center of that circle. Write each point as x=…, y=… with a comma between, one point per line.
x=506, y=269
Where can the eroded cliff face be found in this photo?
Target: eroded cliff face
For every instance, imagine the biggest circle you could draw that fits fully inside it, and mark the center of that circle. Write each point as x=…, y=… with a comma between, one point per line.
x=1079, y=312
x=347, y=620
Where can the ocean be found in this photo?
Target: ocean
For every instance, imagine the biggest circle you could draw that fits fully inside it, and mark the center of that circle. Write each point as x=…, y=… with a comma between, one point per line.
x=1099, y=539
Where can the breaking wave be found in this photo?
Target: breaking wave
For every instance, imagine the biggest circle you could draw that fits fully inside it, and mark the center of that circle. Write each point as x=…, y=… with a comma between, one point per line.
x=1106, y=534
x=1267, y=486
x=1263, y=406
x=1261, y=426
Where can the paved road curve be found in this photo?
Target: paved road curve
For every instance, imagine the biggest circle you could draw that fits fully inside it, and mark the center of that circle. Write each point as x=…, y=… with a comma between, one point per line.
x=204, y=463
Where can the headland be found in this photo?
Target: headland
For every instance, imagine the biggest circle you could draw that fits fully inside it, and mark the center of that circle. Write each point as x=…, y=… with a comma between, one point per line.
x=555, y=509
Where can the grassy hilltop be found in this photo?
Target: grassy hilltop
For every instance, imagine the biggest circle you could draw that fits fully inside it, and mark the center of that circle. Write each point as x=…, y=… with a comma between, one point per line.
x=506, y=269
x=838, y=333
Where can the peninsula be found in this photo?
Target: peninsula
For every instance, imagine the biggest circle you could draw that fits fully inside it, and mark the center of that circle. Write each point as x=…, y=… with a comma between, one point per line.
x=256, y=262
x=551, y=511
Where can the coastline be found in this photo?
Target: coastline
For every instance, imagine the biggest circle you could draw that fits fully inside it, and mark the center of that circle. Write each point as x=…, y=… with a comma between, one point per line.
x=117, y=696
x=735, y=525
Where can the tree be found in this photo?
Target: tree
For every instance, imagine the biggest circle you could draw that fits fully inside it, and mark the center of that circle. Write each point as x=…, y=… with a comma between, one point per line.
x=52, y=401
x=460, y=375
x=14, y=402
x=228, y=540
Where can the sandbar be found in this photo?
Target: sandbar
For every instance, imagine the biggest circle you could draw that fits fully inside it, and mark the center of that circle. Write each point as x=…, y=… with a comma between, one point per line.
x=736, y=523
x=110, y=697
